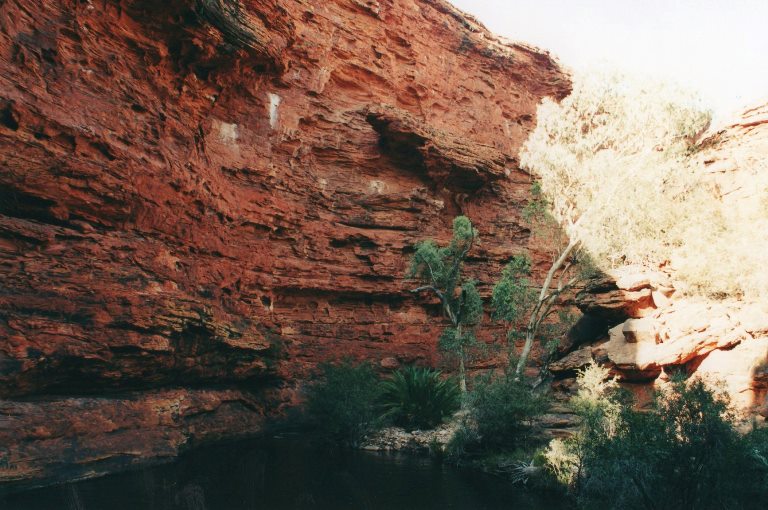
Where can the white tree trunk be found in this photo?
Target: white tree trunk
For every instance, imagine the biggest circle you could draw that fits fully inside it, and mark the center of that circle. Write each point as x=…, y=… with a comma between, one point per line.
x=536, y=315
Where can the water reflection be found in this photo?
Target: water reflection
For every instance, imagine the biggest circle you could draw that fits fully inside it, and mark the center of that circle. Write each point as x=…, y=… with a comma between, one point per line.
x=285, y=474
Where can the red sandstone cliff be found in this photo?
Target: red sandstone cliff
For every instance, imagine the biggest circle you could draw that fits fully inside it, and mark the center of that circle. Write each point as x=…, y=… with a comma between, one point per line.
x=201, y=199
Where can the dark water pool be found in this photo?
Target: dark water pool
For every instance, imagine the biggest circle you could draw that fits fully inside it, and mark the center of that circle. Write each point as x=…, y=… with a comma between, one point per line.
x=285, y=473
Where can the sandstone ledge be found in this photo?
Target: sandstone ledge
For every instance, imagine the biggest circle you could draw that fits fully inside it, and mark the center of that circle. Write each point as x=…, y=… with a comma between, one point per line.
x=52, y=440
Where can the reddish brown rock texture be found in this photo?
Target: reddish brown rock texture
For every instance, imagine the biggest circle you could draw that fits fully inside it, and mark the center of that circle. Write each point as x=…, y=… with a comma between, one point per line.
x=56, y=439
x=213, y=194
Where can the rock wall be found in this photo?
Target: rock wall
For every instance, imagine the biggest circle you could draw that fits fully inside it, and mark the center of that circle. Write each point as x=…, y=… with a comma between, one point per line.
x=201, y=199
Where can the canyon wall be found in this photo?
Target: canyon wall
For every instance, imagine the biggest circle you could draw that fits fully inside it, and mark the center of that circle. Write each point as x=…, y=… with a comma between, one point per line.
x=202, y=199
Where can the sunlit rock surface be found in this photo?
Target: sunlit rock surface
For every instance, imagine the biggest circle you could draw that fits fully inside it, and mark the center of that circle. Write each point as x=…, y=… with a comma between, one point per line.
x=657, y=330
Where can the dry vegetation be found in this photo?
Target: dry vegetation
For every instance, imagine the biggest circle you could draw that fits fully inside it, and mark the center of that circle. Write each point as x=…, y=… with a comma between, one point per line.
x=724, y=238
x=619, y=164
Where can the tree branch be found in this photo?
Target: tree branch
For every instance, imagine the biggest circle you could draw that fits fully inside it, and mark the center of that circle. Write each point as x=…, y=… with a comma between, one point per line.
x=425, y=287
x=431, y=271
x=443, y=300
x=546, y=300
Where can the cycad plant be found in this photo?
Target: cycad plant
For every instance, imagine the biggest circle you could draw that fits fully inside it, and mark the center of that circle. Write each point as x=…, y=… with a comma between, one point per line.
x=418, y=398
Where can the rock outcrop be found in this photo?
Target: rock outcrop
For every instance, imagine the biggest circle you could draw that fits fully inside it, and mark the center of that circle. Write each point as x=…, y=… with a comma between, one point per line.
x=723, y=342
x=201, y=199
x=58, y=439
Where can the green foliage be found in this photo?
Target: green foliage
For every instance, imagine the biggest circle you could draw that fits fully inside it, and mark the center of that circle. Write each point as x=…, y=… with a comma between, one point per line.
x=495, y=434
x=419, y=398
x=342, y=403
x=456, y=342
x=512, y=295
x=757, y=445
x=464, y=443
x=598, y=401
x=600, y=404
x=429, y=264
x=526, y=310
x=503, y=410
x=684, y=453
x=471, y=310
x=537, y=208
x=552, y=332
x=439, y=269
x=463, y=231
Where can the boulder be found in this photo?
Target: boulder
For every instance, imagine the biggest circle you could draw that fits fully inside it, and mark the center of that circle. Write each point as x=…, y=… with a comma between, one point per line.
x=640, y=330
x=389, y=363
x=753, y=318
x=572, y=362
x=631, y=361
x=602, y=298
x=635, y=277
x=741, y=371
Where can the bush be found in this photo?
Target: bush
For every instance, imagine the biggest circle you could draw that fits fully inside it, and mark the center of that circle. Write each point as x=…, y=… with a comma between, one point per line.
x=418, y=398
x=342, y=403
x=757, y=444
x=464, y=443
x=503, y=410
x=684, y=453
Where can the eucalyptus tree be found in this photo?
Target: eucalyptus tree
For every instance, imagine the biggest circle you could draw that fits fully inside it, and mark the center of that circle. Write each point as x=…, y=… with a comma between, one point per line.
x=608, y=160
x=439, y=269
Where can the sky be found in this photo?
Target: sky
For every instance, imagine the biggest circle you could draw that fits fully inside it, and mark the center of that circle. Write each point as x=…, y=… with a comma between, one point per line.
x=718, y=48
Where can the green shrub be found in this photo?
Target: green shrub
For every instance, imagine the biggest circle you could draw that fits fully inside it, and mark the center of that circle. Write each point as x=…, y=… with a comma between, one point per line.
x=690, y=453
x=417, y=397
x=685, y=453
x=503, y=410
x=757, y=445
x=464, y=443
x=601, y=405
x=342, y=403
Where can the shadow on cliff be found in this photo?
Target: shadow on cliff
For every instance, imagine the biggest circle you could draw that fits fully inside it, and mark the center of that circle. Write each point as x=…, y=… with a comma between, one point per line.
x=206, y=35
x=601, y=335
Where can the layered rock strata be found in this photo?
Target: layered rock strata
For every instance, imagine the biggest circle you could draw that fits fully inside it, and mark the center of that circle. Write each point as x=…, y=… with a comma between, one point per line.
x=725, y=342
x=201, y=199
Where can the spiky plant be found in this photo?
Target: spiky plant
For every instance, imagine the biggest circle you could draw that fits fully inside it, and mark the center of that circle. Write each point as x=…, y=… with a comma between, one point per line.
x=418, y=398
